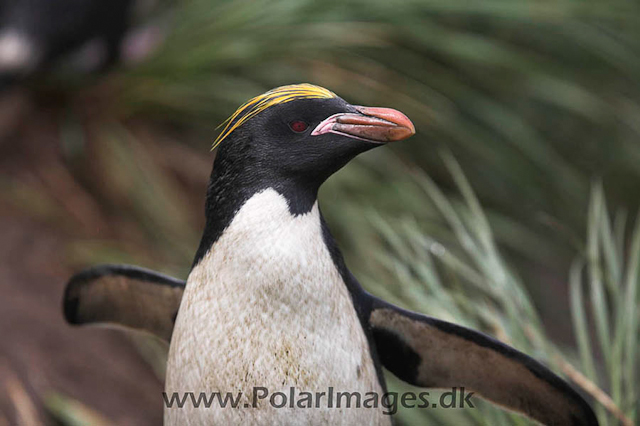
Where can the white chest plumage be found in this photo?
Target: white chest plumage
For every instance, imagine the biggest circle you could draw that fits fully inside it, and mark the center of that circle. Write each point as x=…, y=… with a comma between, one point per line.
x=266, y=307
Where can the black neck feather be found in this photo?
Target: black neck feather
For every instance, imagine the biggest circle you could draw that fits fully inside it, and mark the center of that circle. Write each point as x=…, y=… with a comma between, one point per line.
x=235, y=178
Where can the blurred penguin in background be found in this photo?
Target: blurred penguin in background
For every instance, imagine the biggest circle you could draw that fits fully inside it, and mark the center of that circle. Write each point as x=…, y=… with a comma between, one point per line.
x=88, y=35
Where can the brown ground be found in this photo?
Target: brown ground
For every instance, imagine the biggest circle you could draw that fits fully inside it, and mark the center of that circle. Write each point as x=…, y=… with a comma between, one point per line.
x=39, y=353
x=97, y=367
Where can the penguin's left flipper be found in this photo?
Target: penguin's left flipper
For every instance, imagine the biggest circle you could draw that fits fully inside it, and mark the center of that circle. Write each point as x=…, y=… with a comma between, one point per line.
x=124, y=296
x=428, y=352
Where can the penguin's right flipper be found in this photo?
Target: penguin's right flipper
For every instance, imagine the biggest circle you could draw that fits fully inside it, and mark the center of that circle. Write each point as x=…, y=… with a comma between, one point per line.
x=126, y=296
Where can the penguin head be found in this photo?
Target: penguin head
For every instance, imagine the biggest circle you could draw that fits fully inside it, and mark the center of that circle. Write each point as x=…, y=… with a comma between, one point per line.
x=305, y=133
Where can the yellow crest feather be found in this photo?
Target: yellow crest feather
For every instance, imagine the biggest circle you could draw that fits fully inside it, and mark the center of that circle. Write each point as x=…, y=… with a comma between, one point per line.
x=279, y=95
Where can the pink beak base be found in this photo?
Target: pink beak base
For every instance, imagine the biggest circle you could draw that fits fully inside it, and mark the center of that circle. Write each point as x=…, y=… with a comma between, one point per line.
x=373, y=124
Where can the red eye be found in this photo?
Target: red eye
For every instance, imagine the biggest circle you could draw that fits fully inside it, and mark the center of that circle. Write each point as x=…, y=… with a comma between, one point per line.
x=298, y=126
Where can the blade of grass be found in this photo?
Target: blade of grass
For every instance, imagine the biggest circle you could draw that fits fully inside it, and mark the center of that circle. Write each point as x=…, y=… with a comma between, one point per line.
x=598, y=300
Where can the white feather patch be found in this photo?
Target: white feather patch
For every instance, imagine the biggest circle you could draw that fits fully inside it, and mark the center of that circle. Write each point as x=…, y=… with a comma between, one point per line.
x=17, y=52
x=266, y=307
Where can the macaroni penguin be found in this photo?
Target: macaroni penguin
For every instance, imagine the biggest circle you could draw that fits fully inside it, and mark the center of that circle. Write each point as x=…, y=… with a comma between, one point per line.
x=269, y=302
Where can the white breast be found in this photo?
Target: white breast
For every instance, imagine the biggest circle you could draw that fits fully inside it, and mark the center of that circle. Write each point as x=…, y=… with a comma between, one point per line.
x=266, y=307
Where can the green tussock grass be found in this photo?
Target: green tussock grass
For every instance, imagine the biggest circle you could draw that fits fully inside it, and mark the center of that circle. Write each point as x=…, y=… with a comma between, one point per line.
x=456, y=272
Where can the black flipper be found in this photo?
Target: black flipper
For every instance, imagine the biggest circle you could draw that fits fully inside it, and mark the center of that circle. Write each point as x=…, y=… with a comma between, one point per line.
x=427, y=352
x=126, y=296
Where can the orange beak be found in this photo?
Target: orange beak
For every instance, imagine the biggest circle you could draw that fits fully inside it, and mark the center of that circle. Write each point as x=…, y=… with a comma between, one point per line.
x=372, y=124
